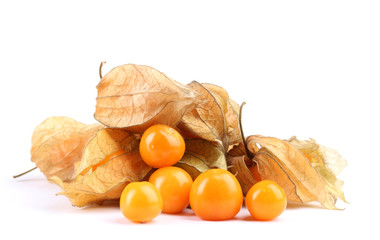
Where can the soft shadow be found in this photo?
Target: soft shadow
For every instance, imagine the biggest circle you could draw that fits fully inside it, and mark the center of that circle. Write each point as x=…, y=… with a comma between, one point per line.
x=20, y=179
x=248, y=218
x=114, y=204
x=294, y=205
x=187, y=212
x=124, y=221
x=189, y=215
x=194, y=217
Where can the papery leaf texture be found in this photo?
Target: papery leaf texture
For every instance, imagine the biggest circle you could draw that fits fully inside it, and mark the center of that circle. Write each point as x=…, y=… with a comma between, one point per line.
x=328, y=162
x=58, y=143
x=239, y=164
x=201, y=155
x=238, y=167
x=135, y=97
x=111, y=160
x=282, y=162
x=216, y=120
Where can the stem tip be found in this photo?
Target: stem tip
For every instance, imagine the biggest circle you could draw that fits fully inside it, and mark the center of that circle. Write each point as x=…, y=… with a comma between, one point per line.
x=19, y=175
x=100, y=69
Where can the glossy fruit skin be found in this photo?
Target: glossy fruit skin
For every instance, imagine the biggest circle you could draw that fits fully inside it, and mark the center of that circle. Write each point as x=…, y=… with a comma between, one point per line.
x=140, y=202
x=174, y=185
x=216, y=195
x=266, y=200
x=161, y=146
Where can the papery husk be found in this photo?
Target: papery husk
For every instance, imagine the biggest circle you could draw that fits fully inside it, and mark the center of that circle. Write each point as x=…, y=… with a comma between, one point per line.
x=58, y=143
x=280, y=161
x=200, y=156
x=328, y=162
x=107, y=180
x=136, y=97
x=216, y=120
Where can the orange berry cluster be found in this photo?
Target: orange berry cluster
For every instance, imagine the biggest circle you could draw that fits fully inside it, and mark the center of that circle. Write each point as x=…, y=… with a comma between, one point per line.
x=214, y=195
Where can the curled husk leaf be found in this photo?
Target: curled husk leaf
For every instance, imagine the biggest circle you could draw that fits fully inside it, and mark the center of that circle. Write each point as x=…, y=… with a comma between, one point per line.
x=238, y=164
x=201, y=155
x=231, y=113
x=135, y=97
x=58, y=143
x=280, y=161
x=216, y=120
x=111, y=160
x=238, y=167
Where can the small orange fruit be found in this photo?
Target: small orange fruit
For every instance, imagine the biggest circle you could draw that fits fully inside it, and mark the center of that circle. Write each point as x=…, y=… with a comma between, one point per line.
x=266, y=200
x=161, y=146
x=174, y=185
x=140, y=202
x=216, y=195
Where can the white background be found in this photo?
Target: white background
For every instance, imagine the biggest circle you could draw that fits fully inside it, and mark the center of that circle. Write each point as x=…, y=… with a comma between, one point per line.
x=305, y=68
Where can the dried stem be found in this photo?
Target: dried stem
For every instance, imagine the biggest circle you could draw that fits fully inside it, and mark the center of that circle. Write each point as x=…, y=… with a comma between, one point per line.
x=100, y=69
x=19, y=175
x=249, y=154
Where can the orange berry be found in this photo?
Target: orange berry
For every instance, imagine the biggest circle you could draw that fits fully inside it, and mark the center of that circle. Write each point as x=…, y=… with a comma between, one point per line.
x=174, y=185
x=266, y=200
x=161, y=146
x=216, y=195
x=140, y=202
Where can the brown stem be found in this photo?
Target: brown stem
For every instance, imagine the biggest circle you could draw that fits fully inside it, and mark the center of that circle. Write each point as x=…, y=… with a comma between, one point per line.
x=249, y=154
x=100, y=69
x=19, y=175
